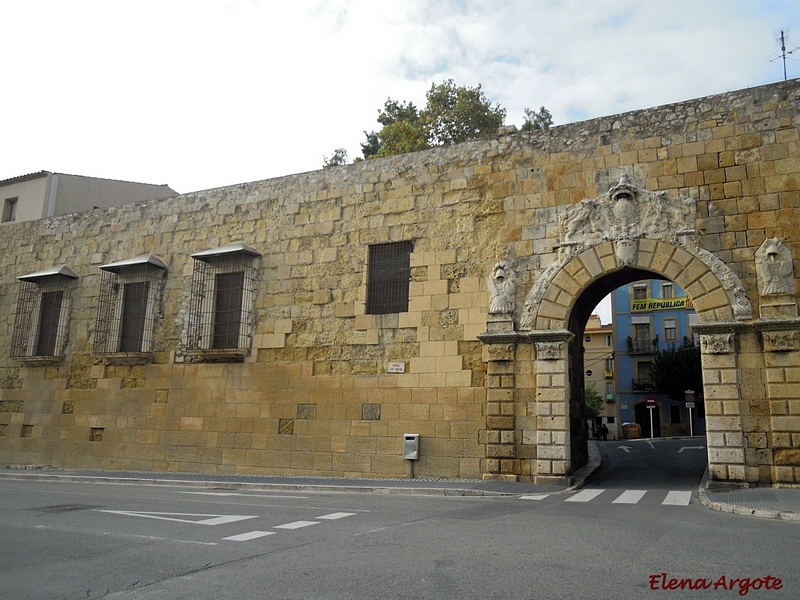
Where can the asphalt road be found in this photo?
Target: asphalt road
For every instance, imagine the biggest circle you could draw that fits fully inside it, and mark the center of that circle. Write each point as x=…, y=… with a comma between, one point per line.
x=69, y=540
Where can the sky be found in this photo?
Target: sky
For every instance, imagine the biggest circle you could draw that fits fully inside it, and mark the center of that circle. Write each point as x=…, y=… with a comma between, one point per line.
x=199, y=94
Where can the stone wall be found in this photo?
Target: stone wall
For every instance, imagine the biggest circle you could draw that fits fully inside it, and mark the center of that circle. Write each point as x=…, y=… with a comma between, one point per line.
x=314, y=394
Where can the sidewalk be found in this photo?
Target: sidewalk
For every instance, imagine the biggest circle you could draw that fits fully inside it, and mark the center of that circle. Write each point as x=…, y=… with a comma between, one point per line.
x=765, y=502
x=423, y=486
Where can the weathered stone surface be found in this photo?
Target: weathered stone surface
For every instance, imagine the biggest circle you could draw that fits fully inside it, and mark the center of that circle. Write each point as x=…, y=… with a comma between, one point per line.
x=719, y=177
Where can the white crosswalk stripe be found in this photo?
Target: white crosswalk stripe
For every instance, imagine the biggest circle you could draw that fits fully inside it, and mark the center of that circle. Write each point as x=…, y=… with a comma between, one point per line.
x=630, y=497
x=678, y=498
x=585, y=496
x=250, y=535
x=673, y=498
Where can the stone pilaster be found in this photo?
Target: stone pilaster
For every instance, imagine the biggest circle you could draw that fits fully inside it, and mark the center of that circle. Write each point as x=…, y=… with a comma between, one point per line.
x=499, y=350
x=723, y=402
x=552, y=463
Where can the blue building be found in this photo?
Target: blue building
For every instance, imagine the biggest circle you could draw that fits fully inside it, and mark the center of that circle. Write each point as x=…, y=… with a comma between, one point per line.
x=649, y=316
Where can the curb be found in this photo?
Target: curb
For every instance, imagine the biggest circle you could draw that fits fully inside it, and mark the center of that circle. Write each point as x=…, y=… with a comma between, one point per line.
x=727, y=507
x=240, y=485
x=582, y=474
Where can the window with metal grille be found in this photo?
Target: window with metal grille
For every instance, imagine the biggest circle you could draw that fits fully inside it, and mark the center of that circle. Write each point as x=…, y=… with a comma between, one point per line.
x=221, y=313
x=134, y=313
x=49, y=316
x=388, y=275
x=41, y=324
x=228, y=309
x=130, y=291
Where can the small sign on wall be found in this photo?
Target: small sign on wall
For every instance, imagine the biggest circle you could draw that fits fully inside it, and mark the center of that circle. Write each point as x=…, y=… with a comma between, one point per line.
x=397, y=367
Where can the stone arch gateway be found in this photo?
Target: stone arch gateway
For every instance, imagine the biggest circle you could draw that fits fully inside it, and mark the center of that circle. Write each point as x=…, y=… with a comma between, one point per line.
x=622, y=236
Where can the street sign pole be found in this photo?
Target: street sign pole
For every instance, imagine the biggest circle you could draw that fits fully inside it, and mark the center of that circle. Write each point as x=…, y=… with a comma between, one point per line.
x=651, y=404
x=688, y=395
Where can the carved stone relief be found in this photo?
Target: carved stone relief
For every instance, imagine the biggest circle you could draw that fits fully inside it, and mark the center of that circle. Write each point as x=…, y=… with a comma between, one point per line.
x=717, y=343
x=500, y=351
x=779, y=341
x=624, y=215
x=502, y=288
x=549, y=350
x=774, y=268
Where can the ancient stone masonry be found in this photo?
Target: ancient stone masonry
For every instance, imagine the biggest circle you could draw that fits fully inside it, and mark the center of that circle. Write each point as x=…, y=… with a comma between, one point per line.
x=275, y=341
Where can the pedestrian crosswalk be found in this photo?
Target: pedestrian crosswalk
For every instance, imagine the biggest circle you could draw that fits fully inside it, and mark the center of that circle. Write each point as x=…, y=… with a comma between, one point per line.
x=672, y=497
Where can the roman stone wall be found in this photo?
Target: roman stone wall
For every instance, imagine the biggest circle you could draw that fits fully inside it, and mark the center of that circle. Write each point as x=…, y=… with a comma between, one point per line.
x=314, y=394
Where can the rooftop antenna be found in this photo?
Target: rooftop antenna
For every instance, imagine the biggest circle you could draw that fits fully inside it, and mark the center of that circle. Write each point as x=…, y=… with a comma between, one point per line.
x=782, y=40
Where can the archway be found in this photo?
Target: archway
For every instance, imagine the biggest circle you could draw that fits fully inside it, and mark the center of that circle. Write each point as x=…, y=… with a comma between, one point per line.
x=625, y=235
x=578, y=319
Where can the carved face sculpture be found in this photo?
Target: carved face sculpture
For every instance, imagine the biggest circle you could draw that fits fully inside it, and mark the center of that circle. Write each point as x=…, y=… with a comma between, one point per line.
x=500, y=272
x=624, y=208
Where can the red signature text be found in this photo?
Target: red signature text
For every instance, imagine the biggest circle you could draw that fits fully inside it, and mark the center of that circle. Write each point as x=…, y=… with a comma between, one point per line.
x=743, y=585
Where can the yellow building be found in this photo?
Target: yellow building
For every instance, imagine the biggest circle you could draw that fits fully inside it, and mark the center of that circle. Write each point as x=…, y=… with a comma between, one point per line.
x=598, y=345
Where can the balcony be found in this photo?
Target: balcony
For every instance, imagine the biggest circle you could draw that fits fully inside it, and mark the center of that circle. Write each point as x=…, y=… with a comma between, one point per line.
x=643, y=385
x=642, y=346
x=608, y=373
x=610, y=397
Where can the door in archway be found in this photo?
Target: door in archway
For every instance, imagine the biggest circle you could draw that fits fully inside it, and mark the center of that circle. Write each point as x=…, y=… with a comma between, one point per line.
x=642, y=416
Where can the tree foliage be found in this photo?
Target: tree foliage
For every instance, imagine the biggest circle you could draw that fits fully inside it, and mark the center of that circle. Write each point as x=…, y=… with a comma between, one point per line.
x=452, y=114
x=337, y=159
x=540, y=120
x=676, y=370
x=594, y=403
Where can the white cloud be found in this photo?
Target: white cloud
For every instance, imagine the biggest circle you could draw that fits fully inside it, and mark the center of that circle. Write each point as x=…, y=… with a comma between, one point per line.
x=204, y=93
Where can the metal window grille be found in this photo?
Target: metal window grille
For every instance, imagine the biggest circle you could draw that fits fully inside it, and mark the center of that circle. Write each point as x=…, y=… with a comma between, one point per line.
x=49, y=317
x=127, y=309
x=388, y=275
x=40, y=328
x=221, y=305
x=227, y=309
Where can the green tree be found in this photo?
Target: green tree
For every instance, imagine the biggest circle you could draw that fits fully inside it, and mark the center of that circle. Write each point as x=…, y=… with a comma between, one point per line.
x=537, y=121
x=401, y=137
x=372, y=146
x=676, y=370
x=452, y=114
x=337, y=159
x=594, y=403
x=456, y=114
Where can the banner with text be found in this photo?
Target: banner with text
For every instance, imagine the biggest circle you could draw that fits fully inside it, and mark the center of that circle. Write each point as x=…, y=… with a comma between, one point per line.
x=650, y=304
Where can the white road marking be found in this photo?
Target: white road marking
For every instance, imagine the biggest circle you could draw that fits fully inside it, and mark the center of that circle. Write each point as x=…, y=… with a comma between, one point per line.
x=678, y=498
x=209, y=520
x=250, y=535
x=651, y=444
x=296, y=525
x=630, y=497
x=250, y=495
x=626, y=448
x=336, y=515
x=691, y=448
x=534, y=497
x=584, y=496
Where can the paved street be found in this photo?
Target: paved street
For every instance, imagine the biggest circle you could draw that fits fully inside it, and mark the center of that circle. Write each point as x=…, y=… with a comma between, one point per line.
x=612, y=539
